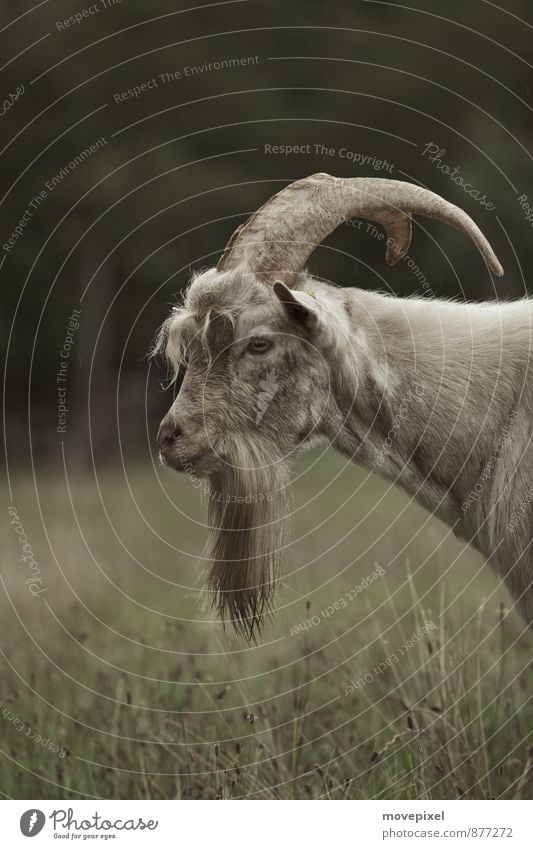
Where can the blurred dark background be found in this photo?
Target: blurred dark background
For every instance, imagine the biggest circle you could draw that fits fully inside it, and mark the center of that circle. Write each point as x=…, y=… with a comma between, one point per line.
x=363, y=87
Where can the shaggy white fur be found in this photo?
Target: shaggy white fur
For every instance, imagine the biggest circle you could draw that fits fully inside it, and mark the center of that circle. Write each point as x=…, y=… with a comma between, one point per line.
x=434, y=395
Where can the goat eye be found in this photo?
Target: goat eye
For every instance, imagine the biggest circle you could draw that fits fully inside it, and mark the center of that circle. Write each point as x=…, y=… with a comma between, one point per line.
x=259, y=345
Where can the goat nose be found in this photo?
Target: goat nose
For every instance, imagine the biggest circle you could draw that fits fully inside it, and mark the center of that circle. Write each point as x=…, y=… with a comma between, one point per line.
x=168, y=432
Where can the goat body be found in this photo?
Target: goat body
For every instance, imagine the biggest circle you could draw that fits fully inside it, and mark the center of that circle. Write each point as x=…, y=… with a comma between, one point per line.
x=442, y=406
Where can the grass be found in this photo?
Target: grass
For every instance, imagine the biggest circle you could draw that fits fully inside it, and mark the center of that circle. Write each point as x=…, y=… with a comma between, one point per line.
x=415, y=687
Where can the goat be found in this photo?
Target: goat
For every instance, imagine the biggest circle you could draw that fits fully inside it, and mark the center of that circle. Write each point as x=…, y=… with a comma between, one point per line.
x=276, y=362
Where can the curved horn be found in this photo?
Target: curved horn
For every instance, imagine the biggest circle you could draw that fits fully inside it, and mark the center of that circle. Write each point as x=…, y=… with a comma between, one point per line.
x=276, y=241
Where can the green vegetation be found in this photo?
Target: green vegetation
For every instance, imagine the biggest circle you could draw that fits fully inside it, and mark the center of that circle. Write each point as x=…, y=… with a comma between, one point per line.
x=118, y=663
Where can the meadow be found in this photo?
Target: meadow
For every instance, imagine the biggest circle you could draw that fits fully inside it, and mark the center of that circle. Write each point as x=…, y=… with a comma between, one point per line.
x=393, y=667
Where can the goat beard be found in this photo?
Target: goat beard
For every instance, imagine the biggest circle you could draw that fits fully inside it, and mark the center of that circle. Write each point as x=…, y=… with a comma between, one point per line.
x=248, y=509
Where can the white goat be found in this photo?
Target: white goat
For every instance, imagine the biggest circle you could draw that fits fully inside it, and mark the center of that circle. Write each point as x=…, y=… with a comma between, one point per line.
x=435, y=396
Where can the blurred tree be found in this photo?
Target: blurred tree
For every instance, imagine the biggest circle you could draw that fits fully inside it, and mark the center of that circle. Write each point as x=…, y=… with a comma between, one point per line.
x=142, y=129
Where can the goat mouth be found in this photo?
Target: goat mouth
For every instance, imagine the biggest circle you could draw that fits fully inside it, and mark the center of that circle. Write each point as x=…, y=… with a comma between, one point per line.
x=180, y=462
x=203, y=464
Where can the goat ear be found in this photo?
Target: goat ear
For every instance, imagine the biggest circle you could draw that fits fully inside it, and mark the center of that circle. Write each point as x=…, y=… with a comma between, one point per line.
x=297, y=305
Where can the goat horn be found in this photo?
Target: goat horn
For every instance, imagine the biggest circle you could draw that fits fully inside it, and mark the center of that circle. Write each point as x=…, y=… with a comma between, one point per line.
x=276, y=241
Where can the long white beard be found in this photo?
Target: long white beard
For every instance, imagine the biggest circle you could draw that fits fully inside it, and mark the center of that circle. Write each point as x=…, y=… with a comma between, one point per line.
x=248, y=509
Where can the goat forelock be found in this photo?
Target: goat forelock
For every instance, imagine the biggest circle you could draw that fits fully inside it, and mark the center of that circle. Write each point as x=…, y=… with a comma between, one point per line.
x=210, y=300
